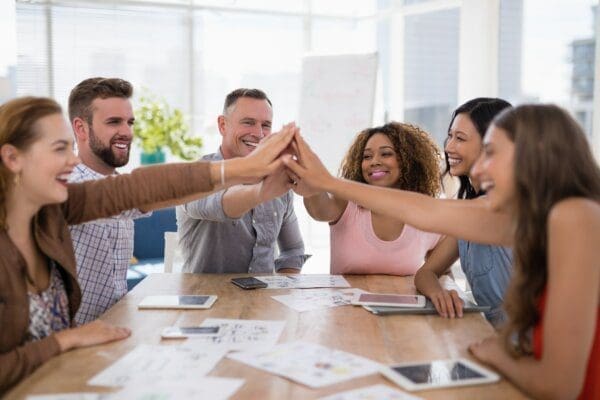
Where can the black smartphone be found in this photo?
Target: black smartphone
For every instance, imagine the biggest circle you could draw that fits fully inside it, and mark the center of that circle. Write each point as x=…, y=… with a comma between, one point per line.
x=249, y=283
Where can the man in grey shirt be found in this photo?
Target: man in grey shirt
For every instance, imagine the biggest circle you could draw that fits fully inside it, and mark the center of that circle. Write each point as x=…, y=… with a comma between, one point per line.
x=235, y=230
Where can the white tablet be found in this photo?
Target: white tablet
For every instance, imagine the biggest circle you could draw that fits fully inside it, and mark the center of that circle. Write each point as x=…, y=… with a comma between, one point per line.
x=390, y=300
x=185, y=302
x=182, y=332
x=438, y=374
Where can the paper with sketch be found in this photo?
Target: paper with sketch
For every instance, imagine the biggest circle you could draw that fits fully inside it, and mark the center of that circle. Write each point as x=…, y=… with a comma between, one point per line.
x=314, y=299
x=197, y=388
x=307, y=363
x=375, y=392
x=160, y=364
x=71, y=396
x=239, y=334
x=303, y=281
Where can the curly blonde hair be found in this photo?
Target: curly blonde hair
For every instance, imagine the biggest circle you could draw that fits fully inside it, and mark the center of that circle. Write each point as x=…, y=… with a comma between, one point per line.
x=418, y=157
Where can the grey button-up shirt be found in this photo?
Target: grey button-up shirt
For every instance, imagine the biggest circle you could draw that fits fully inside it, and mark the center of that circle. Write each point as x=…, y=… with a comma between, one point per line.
x=211, y=242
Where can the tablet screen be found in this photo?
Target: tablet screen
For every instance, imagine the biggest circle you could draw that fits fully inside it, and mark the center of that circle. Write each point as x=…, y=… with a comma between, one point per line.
x=437, y=372
x=197, y=330
x=388, y=298
x=192, y=300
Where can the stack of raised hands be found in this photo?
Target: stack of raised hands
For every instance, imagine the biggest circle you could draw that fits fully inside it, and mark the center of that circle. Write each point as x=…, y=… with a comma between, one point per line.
x=282, y=161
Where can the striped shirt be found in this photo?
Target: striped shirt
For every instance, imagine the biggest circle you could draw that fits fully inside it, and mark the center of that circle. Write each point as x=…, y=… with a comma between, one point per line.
x=103, y=249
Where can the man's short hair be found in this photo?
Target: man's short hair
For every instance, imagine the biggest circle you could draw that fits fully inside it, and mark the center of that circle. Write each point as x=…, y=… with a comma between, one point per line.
x=243, y=92
x=82, y=95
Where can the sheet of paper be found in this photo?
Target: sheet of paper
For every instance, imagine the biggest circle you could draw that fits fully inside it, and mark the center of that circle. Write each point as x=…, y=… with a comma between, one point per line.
x=70, y=396
x=304, y=281
x=307, y=363
x=239, y=334
x=375, y=392
x=314, y=299
x=147, y=389
x=198, y=388
x=160, y=364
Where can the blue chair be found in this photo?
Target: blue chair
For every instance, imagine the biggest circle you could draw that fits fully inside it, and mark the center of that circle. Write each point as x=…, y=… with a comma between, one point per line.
x=149, y=243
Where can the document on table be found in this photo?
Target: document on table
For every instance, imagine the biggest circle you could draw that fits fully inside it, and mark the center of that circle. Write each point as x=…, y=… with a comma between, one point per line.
x=146, y=389
x=240, y=334
x=196, y=388
x=160, y=364
x=307, y=363
x=303, y=281
x=70, y=396
x=375, y=392
x=314, y=299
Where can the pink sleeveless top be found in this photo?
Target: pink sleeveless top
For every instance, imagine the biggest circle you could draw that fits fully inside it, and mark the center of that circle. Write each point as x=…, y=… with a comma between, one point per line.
x=356, y=249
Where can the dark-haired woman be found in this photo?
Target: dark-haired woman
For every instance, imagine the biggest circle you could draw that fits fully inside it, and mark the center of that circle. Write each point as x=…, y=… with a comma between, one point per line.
x=543, y=198
x=486, y=267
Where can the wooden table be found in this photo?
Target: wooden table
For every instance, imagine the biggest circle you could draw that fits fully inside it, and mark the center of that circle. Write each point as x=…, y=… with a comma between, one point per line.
x=388, y=339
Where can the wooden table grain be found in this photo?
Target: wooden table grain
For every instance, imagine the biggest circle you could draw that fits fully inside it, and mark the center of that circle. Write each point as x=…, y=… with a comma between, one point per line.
x=386, y=339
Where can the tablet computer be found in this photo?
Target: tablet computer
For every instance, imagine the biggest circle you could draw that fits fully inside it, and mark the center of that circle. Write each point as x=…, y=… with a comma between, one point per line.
x=429, y=308
x=438, y=374
x=182, y=332
x=178, y=302
x=390, y=300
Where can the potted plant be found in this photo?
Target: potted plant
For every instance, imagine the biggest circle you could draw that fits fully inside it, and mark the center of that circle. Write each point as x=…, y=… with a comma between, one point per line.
x=158, y=126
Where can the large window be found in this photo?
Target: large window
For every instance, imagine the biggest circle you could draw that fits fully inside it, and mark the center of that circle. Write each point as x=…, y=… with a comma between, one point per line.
x=433, y=54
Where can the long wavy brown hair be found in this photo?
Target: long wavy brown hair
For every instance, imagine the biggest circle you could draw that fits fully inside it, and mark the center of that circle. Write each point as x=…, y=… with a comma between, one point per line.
x=552, y=162
x=17, y=128
x=418, y=157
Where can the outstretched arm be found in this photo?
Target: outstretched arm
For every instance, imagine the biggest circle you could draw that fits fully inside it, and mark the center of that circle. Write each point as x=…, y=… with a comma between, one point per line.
x=468, y=220
x=324, y=207
x=160, y=186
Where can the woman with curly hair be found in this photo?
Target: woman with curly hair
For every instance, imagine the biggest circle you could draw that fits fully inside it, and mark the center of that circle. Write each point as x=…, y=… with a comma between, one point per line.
x=543, y=198
x=394, y=155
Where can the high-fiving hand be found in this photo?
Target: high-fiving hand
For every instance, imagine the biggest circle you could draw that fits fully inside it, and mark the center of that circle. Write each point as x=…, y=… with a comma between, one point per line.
x=306, y=170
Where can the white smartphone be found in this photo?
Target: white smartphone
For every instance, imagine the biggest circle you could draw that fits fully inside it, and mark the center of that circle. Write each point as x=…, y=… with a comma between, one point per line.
x=182, y=332
x=389, y=300
x=438, y=374
x=185, y=302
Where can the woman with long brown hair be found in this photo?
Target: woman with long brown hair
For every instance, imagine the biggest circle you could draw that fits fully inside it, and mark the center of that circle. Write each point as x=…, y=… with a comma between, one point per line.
x=543, y=198
x=39, y=293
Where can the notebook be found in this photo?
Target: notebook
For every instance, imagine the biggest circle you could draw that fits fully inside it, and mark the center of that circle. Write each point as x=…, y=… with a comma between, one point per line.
x=428, y=309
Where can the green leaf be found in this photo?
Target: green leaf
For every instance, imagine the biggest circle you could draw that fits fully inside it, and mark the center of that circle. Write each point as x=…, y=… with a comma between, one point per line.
x=157, y=126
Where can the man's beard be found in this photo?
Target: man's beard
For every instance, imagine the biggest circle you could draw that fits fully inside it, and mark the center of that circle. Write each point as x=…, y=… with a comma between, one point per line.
x=105, y=153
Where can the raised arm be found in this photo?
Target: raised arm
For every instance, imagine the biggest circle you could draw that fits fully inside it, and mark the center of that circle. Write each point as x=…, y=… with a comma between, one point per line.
x=238, y=200
x=166, y=185
x=325, y=207
x=468, y=220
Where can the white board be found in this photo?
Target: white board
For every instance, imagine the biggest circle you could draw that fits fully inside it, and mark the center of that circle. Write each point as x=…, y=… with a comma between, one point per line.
x=336, y=103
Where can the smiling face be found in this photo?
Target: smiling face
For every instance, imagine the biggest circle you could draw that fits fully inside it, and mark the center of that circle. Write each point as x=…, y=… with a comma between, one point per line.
x=110, y=134
x=244, y=124
x=495, y=169
x=463, y=145
x=380, y=162
x=45, y=166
